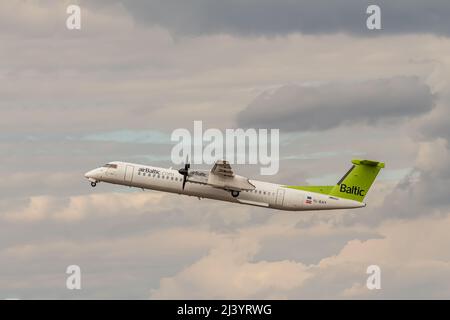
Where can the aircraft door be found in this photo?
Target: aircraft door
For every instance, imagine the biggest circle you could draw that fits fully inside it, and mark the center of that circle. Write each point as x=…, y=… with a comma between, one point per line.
x=129, y=171
x=280, y=197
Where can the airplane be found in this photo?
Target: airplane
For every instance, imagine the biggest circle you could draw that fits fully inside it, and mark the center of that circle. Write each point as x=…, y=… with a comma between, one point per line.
x=220, y=183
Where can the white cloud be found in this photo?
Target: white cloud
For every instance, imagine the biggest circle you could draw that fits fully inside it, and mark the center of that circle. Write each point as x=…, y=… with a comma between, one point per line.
x=433, y=156
x=410, y=253
x=79, y=207
x=226, y=273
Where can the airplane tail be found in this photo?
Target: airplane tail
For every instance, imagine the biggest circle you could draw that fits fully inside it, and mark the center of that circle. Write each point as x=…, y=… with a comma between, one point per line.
x=357, y=181
x=354, y=185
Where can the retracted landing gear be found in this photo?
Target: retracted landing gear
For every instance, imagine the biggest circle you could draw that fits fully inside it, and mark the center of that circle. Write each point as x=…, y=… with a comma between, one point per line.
x=93, y=184
x=235, y=194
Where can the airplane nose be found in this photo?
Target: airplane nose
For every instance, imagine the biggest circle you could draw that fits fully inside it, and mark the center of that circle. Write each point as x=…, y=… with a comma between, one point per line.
x=89, y=174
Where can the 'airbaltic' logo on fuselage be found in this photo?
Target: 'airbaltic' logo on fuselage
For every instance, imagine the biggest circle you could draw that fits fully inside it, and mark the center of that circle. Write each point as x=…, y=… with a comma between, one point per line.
x=353, y=190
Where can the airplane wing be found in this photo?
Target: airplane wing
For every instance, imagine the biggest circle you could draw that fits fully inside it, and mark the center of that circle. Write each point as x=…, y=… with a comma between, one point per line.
x=222, y=176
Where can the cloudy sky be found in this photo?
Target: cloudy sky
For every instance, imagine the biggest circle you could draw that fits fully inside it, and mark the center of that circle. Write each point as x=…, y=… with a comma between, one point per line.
x=116, y=89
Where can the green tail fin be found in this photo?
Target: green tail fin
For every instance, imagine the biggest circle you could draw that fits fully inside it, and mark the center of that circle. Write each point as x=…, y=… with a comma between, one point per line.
x=356, y=182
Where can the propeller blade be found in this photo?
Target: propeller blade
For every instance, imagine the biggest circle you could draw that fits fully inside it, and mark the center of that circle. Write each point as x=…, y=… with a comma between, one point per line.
x=187, y=165
x=185, y=171
x=184, y=181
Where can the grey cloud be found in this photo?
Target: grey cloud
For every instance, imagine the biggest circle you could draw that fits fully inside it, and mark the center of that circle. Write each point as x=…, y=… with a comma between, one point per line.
x=107, y=78
x=424, y=192
x=436, y=124
x=309, y=108
x=341, y=275
x=270, y=17
x=309, y=249
x=163, y=236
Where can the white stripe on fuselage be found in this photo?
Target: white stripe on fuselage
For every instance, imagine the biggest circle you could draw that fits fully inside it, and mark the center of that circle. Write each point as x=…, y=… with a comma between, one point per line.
x=266, y=194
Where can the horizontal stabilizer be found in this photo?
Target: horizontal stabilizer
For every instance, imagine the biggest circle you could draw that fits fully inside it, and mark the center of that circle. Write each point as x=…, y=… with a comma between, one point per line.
x=369, y=163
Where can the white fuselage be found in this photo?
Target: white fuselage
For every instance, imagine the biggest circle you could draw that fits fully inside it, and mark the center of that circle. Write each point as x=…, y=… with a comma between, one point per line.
x=265, y=194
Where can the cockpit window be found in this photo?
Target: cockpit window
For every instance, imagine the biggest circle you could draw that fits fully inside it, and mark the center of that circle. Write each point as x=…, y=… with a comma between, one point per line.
x=110, y=165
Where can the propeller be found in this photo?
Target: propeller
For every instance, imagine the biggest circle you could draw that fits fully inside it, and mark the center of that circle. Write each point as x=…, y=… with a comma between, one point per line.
x=185, y=171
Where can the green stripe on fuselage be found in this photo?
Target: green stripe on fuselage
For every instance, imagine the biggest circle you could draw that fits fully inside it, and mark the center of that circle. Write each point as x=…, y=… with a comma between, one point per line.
x=316, y=189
